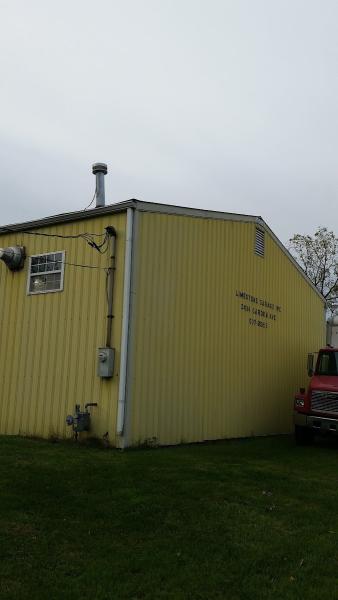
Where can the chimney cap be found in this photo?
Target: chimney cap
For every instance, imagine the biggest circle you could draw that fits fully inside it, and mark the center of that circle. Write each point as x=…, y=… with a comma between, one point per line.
x=100, y=168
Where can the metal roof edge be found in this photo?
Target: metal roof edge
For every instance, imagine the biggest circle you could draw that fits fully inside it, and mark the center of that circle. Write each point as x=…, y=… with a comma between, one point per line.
x=69, y=217
x=172, y=209
x=169, y=209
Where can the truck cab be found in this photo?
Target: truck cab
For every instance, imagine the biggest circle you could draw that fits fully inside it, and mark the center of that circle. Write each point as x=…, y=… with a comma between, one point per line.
x=316, y=409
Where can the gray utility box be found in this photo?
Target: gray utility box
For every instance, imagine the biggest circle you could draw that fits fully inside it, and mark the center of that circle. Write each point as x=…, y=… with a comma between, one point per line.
x=105, y=362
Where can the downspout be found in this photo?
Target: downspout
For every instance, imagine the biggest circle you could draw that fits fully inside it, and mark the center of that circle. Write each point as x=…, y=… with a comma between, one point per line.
x=110, y=285
x=121, y=408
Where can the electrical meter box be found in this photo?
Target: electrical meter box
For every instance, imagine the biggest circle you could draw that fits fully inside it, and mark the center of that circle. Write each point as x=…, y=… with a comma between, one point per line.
x=105, y=362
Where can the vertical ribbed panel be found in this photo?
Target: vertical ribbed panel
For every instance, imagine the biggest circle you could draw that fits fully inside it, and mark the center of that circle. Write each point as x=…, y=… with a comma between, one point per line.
x=199, y=370
x=49, y=341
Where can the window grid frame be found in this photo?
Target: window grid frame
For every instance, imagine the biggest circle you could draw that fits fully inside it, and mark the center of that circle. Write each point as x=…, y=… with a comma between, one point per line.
x=61, y=271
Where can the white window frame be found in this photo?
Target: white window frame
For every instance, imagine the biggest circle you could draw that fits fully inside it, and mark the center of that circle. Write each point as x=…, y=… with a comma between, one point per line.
x=30, y=274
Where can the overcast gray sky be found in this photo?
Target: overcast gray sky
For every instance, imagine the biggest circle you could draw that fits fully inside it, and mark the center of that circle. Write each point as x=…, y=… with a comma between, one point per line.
x=222, y=104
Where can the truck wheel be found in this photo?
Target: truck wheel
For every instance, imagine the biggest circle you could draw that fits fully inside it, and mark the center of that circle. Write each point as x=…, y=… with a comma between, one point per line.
x=303, y=435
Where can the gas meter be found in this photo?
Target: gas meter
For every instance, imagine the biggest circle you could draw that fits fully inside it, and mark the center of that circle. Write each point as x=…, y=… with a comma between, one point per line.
x=80, y=420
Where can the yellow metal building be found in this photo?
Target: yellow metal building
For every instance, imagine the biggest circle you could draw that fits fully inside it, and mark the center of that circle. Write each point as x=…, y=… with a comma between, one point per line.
x=212, y=322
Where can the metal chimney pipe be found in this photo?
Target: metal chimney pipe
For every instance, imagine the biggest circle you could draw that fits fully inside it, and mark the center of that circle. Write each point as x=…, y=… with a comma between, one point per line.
x=100, y=170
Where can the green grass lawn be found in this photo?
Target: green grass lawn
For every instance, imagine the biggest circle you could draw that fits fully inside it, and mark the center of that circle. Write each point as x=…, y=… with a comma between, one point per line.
x=250, y=519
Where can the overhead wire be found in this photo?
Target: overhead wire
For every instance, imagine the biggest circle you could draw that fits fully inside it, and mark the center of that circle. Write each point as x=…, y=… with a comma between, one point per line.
x=86, y=236
x=101, y=247
x=89, y=205
x=84, y=266
x=54, y=235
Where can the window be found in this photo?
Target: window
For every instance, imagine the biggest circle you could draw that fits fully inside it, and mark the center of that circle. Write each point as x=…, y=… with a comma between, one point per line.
x=327, y=363
x=259, y=242
x=45, y=273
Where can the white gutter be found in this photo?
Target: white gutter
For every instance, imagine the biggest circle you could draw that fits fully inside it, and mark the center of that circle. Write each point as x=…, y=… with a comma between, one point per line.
x=121, y=407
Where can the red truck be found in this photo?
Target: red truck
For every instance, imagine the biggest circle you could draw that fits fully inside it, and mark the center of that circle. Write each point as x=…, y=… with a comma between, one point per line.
x=316, y=409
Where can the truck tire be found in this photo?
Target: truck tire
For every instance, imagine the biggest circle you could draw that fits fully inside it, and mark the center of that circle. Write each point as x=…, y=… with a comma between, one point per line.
x=303, y=435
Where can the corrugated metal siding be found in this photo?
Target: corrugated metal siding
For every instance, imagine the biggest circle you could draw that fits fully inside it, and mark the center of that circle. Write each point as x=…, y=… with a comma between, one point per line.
x=49, y=341
x=199, y=370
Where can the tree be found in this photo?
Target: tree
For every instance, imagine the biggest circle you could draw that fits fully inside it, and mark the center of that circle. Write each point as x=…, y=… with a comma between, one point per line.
x=318, y=257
